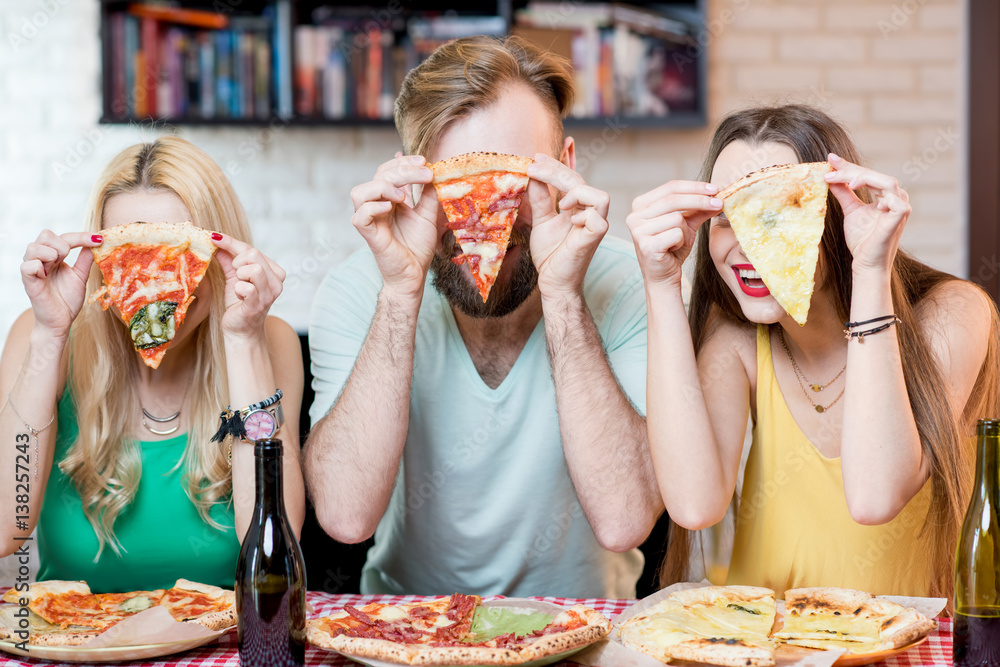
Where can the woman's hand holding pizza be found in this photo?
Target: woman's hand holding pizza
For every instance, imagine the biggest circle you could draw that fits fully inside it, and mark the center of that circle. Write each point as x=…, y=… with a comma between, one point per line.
x=402, y=235
x=55, y=288
x=253, y=282
x=664, y=223
x=872, y=231
x=563, y=241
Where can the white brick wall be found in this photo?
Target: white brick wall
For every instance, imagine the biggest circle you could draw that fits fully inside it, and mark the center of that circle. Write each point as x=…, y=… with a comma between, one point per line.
x=889, y=69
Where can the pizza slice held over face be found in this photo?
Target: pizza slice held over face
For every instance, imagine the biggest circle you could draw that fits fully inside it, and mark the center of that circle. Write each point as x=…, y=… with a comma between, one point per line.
x=151, y=271
x=778, y=215
x=480, y=194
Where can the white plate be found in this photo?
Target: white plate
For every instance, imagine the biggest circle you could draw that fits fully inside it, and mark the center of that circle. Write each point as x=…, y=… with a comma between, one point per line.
x=111, y=654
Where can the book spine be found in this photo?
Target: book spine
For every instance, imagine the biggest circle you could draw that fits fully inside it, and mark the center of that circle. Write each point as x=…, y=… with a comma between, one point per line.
x=206, y=74
x=149, y=81
x=129, y=57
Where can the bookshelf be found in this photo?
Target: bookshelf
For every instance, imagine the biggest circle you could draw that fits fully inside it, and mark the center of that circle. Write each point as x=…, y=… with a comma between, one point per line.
x=314, y=63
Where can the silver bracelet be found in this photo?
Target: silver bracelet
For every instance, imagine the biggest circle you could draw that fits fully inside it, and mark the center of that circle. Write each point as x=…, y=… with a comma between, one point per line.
x=33, y=431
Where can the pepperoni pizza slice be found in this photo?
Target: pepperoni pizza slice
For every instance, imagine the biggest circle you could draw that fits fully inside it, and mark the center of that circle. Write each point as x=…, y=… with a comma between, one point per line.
x=151, y=271
x=480, y=194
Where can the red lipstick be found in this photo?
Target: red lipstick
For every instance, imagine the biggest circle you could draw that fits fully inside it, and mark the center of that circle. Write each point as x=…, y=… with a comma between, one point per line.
x=754, y=287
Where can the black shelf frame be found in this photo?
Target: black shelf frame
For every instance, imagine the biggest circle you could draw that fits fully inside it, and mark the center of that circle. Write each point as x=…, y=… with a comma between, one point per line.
x=505, y=8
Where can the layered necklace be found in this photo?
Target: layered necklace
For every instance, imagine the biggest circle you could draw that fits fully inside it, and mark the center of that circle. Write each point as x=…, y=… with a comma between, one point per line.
x=166, y=420
x=803, y=382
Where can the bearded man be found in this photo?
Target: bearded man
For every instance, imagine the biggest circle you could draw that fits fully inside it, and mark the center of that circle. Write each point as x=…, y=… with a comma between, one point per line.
x=497, y=447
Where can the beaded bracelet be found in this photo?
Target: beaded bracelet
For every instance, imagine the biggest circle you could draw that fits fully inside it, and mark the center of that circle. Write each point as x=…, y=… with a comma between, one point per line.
x=231, y=421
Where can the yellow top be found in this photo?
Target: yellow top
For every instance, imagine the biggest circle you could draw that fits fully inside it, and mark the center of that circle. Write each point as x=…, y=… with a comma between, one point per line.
x=793, y=528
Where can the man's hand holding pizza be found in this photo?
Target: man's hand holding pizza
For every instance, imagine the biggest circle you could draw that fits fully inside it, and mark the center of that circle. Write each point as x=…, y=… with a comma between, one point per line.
x=401, y=234
x=55, y=288
x=564, y=236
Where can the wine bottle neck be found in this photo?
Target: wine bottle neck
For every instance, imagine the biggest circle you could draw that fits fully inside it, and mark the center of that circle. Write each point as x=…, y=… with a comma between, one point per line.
x=988, y=463
x=269, y=483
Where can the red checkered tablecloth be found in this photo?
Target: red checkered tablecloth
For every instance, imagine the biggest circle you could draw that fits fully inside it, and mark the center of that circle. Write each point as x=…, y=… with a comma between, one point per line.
x=935, y=652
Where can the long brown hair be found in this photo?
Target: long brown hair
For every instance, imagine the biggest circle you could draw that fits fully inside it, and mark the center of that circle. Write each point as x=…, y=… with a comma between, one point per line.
x=944, y=436
x=105, y=462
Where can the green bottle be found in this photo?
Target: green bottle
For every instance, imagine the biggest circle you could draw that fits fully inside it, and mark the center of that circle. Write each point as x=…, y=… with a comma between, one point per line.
x=977, y=562
x=270, y=574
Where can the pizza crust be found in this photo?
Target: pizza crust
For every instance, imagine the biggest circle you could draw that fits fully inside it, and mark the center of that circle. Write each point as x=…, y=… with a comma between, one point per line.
x=42, y=588
x=174, y=234
x=597, y=626
x=476, y=163
x=891, y=625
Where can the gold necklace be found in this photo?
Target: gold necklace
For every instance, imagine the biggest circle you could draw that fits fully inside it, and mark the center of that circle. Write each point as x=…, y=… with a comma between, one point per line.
x=800, y=377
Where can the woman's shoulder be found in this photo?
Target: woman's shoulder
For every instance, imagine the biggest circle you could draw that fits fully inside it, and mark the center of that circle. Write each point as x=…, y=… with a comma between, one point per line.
x=724, y=336
x=955, y=307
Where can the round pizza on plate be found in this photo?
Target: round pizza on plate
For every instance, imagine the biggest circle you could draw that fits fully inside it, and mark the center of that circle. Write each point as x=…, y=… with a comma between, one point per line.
x=456, y=630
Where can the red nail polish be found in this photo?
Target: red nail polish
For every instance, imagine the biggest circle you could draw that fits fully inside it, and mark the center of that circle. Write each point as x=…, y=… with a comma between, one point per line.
x=96, y=238
x=216, y=236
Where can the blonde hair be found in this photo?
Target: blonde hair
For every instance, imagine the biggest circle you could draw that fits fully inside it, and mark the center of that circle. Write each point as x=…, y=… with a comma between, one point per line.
x=105, y=462
x=469, y=74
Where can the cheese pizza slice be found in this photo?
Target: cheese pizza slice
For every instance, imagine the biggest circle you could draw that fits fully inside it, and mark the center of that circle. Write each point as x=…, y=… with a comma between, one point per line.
x=722, y=625
x=480, y=194
x=151, y=271
x=778, y=216
x=844, y=618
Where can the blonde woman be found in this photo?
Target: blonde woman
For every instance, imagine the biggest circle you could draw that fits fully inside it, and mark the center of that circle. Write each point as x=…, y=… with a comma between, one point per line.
x=124, y=483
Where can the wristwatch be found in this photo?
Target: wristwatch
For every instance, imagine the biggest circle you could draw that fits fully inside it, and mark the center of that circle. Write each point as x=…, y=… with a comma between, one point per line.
x=263, y=422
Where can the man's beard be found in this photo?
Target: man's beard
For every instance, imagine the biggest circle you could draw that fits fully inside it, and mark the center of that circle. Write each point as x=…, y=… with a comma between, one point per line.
x=505, y=296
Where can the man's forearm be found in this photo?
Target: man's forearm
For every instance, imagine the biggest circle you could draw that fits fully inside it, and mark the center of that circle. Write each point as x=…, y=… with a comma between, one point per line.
x=604, y=438
x=353, y=453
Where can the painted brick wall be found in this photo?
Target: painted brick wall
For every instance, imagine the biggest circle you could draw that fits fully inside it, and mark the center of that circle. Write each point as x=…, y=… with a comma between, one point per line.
x=891, y=70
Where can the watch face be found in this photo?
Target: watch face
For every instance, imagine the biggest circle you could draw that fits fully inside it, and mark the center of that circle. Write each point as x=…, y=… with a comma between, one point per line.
x=259, y=424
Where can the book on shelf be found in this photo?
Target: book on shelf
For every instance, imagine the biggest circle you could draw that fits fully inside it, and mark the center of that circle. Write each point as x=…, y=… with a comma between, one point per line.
x=170, y=63
x=339, y=63
x=627, y=60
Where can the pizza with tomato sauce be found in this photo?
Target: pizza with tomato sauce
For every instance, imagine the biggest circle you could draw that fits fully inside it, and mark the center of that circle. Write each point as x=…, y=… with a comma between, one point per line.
x=451, y=631
x=67, y=613
x=480, y=194
x=151, y=271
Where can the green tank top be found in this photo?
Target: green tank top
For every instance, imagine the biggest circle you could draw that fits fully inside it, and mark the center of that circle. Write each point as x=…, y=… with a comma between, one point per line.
x=162, y=536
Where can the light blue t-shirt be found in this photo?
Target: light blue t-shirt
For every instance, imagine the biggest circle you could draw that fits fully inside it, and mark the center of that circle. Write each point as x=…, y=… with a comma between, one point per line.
x=483, y=502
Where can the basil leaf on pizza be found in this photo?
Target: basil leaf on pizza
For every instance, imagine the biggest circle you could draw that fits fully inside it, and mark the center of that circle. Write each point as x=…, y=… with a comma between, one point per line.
x=778, y=216
x=480, y=194
x=446, y=631
x=151, y=271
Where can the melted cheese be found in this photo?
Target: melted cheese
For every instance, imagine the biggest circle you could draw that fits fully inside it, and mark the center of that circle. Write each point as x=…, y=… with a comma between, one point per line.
x=453, y=190
x=829, y=626
x=509, y=181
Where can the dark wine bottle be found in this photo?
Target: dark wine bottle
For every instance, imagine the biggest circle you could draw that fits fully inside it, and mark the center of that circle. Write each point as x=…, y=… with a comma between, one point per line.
x=977, y=562
x=270, y=574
